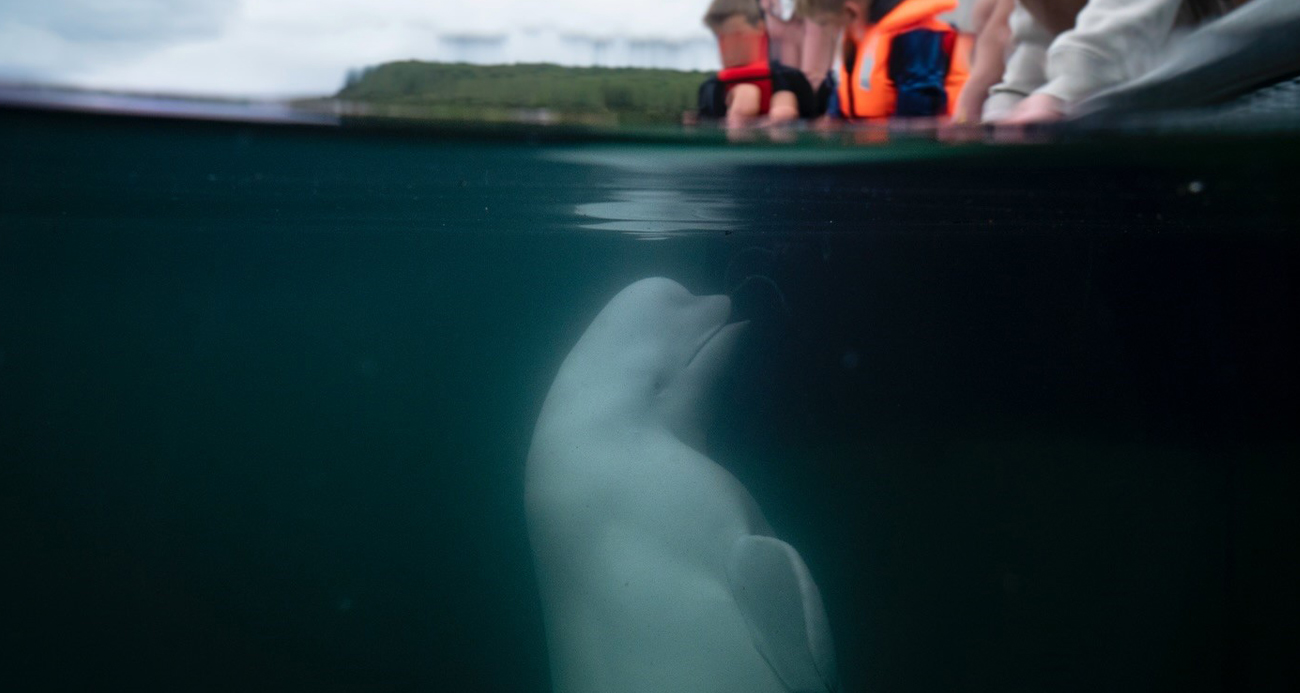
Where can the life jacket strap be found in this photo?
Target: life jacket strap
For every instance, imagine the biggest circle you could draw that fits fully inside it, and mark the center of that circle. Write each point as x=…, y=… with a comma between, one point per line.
x=758, y=73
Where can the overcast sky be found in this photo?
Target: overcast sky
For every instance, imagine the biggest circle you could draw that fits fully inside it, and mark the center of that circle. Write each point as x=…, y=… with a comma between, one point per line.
x=302, y=47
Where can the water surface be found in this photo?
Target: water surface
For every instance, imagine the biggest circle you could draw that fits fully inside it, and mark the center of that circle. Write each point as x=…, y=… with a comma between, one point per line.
x=266, y=392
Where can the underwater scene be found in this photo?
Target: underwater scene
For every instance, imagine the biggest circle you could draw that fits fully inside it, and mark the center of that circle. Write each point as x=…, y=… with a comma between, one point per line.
x=384, y=408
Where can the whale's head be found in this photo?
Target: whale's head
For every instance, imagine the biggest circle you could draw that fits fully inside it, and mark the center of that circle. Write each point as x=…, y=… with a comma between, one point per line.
x=656, y=352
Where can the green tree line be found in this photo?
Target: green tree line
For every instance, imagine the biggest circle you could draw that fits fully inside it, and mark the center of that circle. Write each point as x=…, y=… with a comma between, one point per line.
x=460, y=90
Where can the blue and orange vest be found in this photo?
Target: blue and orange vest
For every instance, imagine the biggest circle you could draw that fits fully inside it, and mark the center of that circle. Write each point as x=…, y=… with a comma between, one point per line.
x=865, y=87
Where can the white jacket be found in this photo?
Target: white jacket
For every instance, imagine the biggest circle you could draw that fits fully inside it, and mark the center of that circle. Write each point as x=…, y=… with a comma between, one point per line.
x=1112, y=42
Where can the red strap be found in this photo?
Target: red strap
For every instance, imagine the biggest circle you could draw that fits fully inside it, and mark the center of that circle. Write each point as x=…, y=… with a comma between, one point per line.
x=759, y=74
x=949, y=43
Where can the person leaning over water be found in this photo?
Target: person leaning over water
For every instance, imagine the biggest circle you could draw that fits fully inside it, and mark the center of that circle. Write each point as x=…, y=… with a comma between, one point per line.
x=898, y=59
x=1064, y=51
x=750, y=85
x=803, y=43
x=785, y=31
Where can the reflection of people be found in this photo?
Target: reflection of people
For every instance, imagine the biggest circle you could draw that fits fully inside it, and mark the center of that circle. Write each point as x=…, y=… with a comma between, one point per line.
x=898, y=58
x=1067, y=50
x=750, y=85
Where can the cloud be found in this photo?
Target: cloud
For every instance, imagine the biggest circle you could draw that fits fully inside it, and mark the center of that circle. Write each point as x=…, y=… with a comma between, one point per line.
x=267, y=54
x=120, y=20
x=52, y=37
x=291, y=47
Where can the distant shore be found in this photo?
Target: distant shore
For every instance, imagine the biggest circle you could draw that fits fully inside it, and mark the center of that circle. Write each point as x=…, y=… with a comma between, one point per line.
x=525, y=92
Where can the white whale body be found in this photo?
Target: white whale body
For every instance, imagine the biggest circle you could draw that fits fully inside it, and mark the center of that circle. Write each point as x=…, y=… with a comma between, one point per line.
x=658, y=573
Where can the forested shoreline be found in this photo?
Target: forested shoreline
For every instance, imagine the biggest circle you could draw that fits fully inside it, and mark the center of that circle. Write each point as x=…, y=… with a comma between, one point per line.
x=529, y=91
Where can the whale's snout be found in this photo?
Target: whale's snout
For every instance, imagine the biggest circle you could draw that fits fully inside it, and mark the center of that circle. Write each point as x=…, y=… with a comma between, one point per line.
x=687, y=403
x=716, y=309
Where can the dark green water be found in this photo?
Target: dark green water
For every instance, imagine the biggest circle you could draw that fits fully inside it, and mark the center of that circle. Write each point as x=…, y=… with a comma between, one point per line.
x=266, y=394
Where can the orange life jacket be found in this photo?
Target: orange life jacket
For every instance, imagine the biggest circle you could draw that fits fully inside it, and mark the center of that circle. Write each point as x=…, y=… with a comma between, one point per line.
x=865, y=89
x=758, y=73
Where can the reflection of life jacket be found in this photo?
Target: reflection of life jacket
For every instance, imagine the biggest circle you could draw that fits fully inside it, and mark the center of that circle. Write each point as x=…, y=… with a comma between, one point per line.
x=758, y=73
x=908, y=63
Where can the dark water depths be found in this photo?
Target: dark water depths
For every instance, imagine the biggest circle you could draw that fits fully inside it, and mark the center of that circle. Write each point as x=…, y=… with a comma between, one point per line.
x=266, y=394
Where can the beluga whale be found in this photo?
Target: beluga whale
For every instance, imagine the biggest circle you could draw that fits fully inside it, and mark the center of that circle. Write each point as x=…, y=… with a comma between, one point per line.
x=658, y=572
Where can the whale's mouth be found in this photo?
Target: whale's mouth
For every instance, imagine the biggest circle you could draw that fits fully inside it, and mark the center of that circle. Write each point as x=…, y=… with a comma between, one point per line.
x=705, y=343
x=716, y=344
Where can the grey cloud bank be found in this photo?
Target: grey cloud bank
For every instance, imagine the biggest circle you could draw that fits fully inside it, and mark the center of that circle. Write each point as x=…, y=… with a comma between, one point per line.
x=53, y=38
x=302, y=47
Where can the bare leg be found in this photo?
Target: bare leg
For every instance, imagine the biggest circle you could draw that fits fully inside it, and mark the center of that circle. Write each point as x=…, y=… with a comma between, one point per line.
x=819, y=42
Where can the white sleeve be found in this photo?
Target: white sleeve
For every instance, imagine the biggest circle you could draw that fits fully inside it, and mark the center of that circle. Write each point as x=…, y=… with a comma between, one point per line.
x=1026, y=64
x=1112, y=42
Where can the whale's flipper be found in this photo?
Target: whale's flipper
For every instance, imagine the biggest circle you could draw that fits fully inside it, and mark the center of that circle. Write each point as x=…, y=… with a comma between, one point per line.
x=784, y=612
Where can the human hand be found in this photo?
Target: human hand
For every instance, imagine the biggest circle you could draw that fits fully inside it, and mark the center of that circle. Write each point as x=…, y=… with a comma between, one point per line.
x=968, y=109
x=1035, y=108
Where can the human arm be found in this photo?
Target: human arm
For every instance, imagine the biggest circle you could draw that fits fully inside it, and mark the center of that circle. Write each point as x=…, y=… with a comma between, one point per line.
x=820, y=39
x=1026, y=68
x=784, y=107
x=992, y=37
x=787, y=34
x=744, y=101
x=1112, y=42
